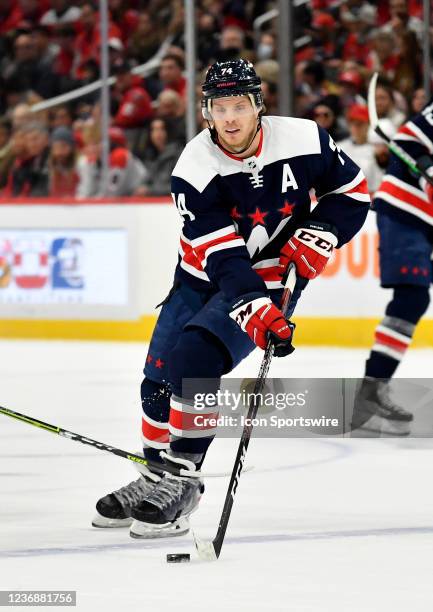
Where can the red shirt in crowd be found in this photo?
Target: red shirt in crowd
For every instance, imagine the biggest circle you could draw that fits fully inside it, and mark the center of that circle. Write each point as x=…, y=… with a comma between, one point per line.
x=135, y=106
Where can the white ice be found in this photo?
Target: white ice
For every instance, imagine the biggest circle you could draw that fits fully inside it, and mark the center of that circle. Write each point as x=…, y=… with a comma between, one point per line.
x=323, y=525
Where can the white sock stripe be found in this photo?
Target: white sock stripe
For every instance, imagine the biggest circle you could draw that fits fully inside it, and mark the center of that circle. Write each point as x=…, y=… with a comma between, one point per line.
x=192, y=433
x=386, y=350
x=154, y=423
x=387, y=331
x=189, y=409
x=152, y=444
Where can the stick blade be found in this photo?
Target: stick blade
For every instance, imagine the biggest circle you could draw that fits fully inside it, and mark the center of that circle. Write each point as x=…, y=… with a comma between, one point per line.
x=205, y=550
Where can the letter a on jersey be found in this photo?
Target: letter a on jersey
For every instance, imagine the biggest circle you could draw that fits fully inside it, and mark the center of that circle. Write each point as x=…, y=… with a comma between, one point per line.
x=288, y=179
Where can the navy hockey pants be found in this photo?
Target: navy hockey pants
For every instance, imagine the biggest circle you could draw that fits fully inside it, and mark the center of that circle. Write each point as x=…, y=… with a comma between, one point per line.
x=194, y=338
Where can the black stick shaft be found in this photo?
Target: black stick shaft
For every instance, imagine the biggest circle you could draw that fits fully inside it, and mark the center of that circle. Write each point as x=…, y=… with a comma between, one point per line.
x=248, y=427
x=153, y=465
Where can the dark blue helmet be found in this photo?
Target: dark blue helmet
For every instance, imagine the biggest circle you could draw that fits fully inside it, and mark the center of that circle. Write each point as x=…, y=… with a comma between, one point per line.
x=232, y=78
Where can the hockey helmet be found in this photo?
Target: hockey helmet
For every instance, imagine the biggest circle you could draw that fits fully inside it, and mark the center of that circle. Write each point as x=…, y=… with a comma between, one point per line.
x=231, y=78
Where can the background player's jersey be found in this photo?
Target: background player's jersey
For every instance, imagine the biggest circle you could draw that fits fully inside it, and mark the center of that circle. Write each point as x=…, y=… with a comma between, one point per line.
x=238, y=213
x=400, y=190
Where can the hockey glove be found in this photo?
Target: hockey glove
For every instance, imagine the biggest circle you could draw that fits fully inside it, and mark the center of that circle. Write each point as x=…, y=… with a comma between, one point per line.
x=309, y=248
x=261, y=319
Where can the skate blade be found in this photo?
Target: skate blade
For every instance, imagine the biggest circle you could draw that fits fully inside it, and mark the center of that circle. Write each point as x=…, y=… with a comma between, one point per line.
x=385, y=426
x=150, y=531
x=102, y=522
x=205, y=550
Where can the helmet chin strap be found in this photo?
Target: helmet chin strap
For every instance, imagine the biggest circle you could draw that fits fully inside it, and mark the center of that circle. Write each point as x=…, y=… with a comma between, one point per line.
x=214, y=137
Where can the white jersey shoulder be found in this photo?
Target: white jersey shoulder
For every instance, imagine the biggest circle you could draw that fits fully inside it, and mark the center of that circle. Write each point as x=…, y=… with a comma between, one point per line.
x=283, y=138
x=286, y=137
x=198, y=162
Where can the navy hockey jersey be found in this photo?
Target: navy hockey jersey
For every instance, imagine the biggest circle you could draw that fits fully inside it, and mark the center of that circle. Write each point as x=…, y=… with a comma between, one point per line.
x=400, y=189
x=238, y=213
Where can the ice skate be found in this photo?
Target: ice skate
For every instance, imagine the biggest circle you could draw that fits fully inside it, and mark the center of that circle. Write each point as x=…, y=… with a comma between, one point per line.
x=375, y=411
x=114, y=510
x=165, y=510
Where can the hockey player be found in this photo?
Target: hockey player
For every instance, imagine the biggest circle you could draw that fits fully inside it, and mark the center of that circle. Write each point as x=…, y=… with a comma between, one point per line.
x=404, y=205
x=242, y=188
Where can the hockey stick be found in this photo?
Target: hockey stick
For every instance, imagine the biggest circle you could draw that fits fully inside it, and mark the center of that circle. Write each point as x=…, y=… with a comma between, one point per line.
x=393, y=146
x=210, y=551
x=153, y=465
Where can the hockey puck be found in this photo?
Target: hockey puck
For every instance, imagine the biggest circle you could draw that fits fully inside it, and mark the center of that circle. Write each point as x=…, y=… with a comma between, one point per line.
x=183, y=558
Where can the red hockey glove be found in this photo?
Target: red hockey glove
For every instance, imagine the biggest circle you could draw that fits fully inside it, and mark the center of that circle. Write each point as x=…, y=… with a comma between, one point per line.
x=261, y=319
x=309, y=248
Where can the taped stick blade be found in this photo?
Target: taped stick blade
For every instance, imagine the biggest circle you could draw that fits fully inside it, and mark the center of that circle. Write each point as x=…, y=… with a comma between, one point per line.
x=205, y=550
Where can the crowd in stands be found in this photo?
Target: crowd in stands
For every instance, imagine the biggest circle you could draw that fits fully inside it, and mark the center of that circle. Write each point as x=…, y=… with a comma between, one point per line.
x=51, y=47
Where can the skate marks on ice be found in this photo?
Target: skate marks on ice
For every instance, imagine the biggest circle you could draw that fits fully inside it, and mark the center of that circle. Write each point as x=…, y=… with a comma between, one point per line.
x=233, y=540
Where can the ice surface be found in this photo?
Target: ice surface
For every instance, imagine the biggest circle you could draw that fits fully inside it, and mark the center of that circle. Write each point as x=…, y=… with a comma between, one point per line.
x=323, y=525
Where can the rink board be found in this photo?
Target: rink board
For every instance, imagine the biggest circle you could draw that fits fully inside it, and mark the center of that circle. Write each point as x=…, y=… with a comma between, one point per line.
x=97, y=270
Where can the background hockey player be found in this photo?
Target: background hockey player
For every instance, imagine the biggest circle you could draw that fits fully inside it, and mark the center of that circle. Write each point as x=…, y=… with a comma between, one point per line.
x=404, y=205
x=242, y=188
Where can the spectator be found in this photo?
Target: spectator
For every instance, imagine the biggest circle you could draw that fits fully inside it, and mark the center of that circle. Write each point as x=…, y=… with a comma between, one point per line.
x=29, y=173
x=324, y=32
x=383, y=57
x=266, y=47
x=311, y=77
x=63, y=177
x=358, y=148
x=126, y=172
x=45, y=50
x=135, y=105
x=124, y=17
x=325, y=114
x=60, y=13
x=270, y=96
x=145, y=40
x=171, y=108
x=356, y=20
x=61, y=117
x=232, y=44
x=418, y=101
x=401, y=20
x=65, y=39
x=6, y=153
x=207, y=41
x=22, y=64
x=88, y=41
x=25, y=68
x=170, y=74
x=160, y=160
x=408, y=71
x=385, y=104
x=351, y=85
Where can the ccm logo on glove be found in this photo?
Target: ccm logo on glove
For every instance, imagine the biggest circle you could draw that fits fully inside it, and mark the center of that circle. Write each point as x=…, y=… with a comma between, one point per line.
x=260, y=319
x=310, y=249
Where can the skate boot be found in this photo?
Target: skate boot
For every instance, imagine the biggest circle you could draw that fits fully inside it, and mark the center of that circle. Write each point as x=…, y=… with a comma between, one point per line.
x=114, y=510
x=374, y=410
x=165, y=510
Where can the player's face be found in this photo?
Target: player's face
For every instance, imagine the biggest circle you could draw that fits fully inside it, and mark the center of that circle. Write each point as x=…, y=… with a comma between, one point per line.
x=235, y=121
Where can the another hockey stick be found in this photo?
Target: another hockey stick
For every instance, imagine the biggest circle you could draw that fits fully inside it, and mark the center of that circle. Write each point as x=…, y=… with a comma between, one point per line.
x=153, y=465
x=210, y=551
x=393, y=146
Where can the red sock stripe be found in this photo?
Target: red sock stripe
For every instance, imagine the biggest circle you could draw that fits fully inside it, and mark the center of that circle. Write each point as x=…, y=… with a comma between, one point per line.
x=155, y=434
x=382, y=338
x=187, y=422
